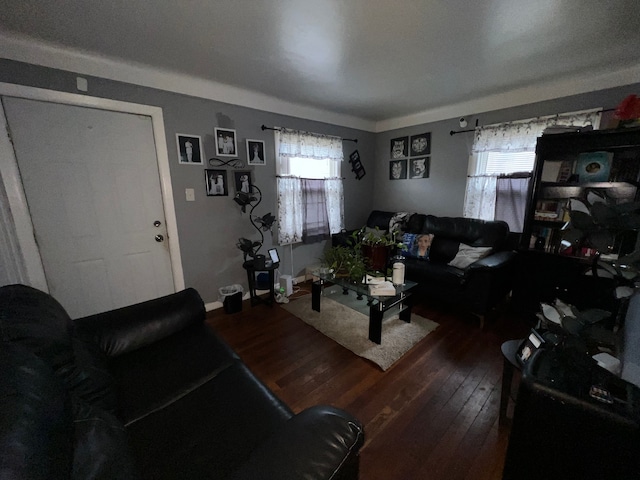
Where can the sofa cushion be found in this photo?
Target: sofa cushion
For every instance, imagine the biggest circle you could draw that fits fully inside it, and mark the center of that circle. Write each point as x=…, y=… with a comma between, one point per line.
x=443, y=249
x=101, y=446
x=209, y=431
x=35, y=418
x=467, y=255
x=428, y=272
x=153, y=376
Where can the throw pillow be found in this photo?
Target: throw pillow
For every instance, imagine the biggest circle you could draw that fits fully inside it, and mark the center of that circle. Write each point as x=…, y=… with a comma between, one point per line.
x=467, y=255
x=417, y=245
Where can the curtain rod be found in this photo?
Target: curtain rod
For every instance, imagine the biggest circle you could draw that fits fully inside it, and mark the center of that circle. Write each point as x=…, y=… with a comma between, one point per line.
x=454, y=132
x=264, y=127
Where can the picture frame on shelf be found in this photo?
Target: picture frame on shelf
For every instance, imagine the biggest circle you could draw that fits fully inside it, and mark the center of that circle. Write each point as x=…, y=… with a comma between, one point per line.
x=256, y=152
x=216, y=183
x=399, y=147
x=190, y=151
x=593, y=167
x=226, y=142
x=420, y=145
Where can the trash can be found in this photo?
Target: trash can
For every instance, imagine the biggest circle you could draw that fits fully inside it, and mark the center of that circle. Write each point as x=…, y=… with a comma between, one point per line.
x=231, y=298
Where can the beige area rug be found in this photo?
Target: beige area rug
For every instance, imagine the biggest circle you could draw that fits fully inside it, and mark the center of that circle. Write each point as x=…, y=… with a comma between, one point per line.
x=350, y=329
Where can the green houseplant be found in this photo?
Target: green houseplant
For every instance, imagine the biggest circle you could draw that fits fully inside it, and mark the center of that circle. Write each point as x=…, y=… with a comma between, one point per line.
x=345, y=262
x=376, y=245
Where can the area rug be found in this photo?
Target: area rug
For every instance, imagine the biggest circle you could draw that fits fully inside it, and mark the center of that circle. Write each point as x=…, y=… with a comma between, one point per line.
x=350, y=328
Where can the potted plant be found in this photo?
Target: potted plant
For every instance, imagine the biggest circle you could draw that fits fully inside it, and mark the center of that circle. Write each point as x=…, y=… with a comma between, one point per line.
x=376, y=246
x=345, y=262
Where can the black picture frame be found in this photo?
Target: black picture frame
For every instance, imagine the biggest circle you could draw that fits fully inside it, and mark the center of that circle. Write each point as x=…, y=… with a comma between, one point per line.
x=419, y=167
x=190, y=151
x=399, y=148
x=256, y=152
x=242, y=180
x=226, y=142
x=356, y=165
x=420, y=145
x=398, y=169
x=216, y=183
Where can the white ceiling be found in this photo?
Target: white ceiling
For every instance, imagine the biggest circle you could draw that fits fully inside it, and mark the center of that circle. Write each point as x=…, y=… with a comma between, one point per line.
x=374, y=64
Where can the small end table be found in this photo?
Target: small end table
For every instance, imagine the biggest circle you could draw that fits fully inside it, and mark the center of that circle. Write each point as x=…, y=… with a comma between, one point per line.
x=251, y=277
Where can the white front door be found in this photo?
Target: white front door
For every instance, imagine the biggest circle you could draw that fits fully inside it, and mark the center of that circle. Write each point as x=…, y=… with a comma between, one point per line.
x=92, y=186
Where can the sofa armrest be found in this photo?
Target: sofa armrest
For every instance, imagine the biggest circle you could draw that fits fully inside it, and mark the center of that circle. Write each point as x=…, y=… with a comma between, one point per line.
x=321, y=442
x=344, y=238
x=130, y=328
x=495, y=260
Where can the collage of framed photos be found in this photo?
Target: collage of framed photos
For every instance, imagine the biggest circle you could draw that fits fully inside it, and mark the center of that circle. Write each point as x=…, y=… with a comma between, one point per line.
x=191, y=152
x=410, y=157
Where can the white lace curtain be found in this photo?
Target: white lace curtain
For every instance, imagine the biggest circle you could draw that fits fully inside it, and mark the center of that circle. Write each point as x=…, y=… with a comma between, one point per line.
x=518, y=136
x=296, y=221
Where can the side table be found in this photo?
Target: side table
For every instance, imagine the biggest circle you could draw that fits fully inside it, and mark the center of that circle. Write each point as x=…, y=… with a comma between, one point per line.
x=509, y=366
x=251, y=277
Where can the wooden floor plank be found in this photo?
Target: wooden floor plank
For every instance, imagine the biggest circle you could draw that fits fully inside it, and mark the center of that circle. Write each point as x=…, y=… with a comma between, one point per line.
x=433, y=414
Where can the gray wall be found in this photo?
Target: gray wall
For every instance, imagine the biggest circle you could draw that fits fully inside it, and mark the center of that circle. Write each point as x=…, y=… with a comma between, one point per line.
x=210, y=227
x=443, y=192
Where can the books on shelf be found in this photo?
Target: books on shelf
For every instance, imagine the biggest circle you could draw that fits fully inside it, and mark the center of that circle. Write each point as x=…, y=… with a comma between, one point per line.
x=383, y=288
x=551, y=210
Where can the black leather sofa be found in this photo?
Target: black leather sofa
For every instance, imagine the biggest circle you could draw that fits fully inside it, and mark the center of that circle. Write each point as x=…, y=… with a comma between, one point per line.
x=149, y=391
x=478, y=287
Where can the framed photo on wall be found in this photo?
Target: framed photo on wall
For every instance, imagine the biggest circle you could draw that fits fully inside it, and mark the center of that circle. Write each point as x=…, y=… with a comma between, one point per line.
x=226, y=144
x=216, y=183
x=399, y=147
x=190, y=150
x=419, y=167
x=243, y=181
x=420, y=144
x=255, y=152
x=398, y=169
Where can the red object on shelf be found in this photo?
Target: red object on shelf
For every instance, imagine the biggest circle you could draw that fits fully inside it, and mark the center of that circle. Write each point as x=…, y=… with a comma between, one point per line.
x=629, y=108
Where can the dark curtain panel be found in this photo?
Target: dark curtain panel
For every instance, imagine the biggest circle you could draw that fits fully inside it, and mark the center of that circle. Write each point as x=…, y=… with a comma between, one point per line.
x=511, y=201
x=314, y=220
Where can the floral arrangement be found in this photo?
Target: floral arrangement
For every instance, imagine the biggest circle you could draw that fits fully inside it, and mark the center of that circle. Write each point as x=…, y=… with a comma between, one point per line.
x=628, y=112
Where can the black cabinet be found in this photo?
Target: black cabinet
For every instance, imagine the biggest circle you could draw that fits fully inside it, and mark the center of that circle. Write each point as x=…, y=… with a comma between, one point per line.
x=571, y=166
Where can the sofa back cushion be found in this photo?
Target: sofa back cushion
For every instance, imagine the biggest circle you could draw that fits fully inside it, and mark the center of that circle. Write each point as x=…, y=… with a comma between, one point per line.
x=380, y=219
x=473, y=232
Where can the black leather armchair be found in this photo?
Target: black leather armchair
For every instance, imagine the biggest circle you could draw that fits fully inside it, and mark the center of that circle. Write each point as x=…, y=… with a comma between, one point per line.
x=149, y=391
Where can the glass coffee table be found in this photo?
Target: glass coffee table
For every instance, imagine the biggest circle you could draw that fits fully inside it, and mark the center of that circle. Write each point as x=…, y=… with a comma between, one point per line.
x=378, y=304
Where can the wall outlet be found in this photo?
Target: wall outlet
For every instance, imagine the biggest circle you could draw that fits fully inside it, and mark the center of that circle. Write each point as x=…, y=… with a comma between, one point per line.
x=190, y=194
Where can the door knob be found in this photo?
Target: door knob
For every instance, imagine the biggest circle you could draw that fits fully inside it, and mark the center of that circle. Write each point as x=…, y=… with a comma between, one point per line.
x=159, y=238
x=157, y=223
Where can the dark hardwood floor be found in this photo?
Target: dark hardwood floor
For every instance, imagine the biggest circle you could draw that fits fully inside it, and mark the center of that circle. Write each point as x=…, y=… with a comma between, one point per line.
x=432, y=415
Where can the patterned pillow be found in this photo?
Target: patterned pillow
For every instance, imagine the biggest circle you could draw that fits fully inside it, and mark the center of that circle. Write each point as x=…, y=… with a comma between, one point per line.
x=411, y=245
x=467, y=255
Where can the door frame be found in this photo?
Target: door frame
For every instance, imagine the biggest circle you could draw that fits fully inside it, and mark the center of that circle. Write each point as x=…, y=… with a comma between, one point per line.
x=17, y=199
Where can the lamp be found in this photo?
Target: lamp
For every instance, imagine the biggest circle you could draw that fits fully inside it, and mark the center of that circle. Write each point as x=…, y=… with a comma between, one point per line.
x=261, y=224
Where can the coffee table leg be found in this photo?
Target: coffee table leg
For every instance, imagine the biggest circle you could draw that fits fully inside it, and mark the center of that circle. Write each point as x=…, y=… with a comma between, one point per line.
x=316, y=290
x=405, y=313
x=375, y=323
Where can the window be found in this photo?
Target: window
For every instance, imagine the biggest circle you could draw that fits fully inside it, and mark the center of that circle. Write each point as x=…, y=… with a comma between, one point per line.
x=502, y=150
x=310, y=192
